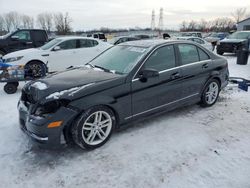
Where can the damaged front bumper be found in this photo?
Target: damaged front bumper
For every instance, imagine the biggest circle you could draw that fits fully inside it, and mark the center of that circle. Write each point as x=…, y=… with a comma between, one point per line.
x=38, y=129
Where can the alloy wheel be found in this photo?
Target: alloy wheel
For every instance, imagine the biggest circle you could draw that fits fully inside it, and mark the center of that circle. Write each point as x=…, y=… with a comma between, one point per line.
x=212, y=93
x=36, y=70
x=96, y=128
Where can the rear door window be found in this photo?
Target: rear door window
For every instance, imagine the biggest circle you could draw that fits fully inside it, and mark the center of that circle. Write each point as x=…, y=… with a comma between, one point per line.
x=188, y=53
x=39, y=36
x=87, y=43
x=203, y=55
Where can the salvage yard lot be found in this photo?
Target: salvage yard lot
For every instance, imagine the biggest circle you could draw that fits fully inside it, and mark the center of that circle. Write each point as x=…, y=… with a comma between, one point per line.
x=188, y=147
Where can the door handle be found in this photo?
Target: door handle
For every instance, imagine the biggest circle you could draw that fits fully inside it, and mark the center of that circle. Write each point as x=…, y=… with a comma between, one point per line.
x=175, y=75
x=28, y=42
x=204, y=66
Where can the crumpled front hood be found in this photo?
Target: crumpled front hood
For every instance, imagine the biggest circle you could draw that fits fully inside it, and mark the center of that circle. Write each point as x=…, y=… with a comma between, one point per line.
x=69, y=83
x=232, y=40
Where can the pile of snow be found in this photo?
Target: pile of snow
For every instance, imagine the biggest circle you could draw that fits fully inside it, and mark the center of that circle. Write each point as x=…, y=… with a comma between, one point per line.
x=192, y=147
x=39, y=85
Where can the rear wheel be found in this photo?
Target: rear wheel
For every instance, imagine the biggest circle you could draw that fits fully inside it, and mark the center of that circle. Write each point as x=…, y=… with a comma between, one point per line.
x=210, y=93
x=35, y=69
x=10, y=88
x=94, y=127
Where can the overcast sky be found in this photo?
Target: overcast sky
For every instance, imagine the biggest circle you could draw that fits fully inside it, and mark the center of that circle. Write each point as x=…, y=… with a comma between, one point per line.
x=89, y=14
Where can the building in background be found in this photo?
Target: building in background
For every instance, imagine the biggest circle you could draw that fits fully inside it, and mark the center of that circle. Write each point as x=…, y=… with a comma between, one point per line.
x=244, y=25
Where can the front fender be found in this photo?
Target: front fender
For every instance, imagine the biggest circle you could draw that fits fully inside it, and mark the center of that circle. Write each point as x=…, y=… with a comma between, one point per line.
x=90, y=101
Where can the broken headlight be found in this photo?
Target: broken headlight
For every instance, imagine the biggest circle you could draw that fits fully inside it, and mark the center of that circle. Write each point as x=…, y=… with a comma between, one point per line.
x=50, y=107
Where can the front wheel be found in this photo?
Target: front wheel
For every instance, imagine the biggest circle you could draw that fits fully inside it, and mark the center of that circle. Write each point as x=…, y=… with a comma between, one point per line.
x=210, y=93
x=35, y=69
x=94, y=127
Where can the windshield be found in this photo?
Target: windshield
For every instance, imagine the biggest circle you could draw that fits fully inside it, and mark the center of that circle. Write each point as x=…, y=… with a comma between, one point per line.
x=240, y=35
x=50, y=44
x=119, y=59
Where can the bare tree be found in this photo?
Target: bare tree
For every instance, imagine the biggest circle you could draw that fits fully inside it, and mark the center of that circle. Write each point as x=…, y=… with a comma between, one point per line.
x=12, y=20
x=183, y=26
x=1, y=23
x=202, y=25
x=192, y=26
x=27, y=22
x=45, y=21
x=62, y=23
x=239, y=14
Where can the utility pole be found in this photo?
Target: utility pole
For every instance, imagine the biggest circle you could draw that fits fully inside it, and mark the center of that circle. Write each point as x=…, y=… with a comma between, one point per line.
x=153, y=20
x=160, y=26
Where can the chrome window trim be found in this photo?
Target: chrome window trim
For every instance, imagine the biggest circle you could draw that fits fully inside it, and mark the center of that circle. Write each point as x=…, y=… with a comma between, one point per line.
x=148, y=58
x=163, y=45
x=161, y=106
x=163, y=71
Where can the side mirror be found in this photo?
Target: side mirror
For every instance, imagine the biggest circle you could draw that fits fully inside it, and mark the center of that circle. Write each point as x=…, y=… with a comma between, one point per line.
x=57, y=48
x=148, y=73
x=14, y=37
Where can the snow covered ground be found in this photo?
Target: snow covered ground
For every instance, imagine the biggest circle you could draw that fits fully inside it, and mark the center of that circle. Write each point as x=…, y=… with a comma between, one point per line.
x=190, y=147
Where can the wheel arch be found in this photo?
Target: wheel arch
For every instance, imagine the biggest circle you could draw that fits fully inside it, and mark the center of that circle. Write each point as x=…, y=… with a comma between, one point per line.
x=213, y=76
x=38, y=60
x=67, y=129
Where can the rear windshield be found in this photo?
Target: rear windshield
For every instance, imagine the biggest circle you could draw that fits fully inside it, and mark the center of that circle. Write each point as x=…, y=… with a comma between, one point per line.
x=240, y=35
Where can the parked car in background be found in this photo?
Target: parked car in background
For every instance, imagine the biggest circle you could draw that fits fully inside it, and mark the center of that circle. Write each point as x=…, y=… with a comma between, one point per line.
x=198, y=40
x=191, y=34
x=142, y=37
x=128, y=82
x=122, y=39
x=22, y=39
x=232, y=42
x=57, y=55
x=215, y=37
x=100, y=36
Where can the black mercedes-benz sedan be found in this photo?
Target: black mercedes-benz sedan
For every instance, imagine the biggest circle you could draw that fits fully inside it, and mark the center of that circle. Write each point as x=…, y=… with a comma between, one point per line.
x=128, y=82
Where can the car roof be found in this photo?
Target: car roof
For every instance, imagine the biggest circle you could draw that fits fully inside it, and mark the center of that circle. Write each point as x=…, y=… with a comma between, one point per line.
x=189, y=37
x=191, y=32
x=74, y=37
x=149, y=43
x=242, y=31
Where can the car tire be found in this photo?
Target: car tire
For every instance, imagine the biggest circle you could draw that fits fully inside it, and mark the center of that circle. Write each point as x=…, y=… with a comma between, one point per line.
x=35, y=69
x=10, y=88
x=210, y=93
x=1, y=54
x=93, y=127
